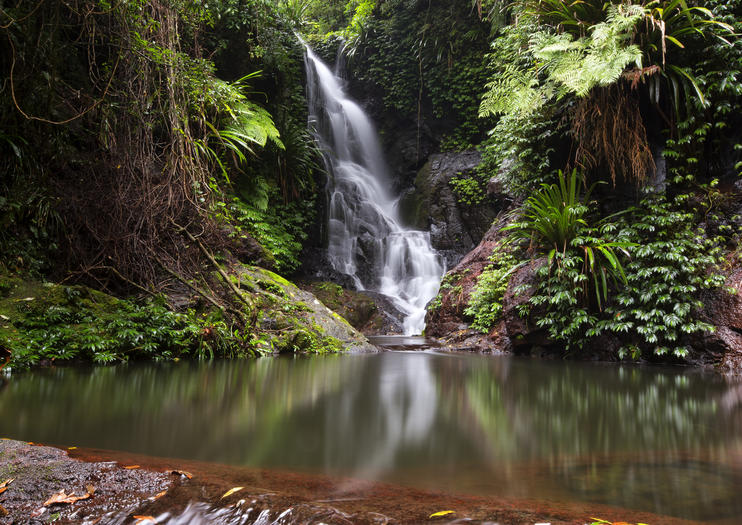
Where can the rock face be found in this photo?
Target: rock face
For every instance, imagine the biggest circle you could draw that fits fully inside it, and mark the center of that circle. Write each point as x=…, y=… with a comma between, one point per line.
x=455, y=228
x=522, y=332
x=723, y=347
x=446, y=319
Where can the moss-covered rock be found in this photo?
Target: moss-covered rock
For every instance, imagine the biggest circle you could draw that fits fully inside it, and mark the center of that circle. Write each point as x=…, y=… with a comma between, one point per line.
x=358, y=308
x=44, y=323
x=294, y=320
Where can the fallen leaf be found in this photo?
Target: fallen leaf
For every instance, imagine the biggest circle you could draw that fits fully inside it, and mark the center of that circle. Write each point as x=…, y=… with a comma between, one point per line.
x=3, y=512
x=6, y=483
x=4, y=317
x=38, y=512
x=440, y=513
x=63, y=497
x=182, y=473
x=27, y=299
x=71, y=448
x=131, y=467
x=145, y=519
x=3, y=489
x=231, y=491
x=90, y=489
x=160, y=494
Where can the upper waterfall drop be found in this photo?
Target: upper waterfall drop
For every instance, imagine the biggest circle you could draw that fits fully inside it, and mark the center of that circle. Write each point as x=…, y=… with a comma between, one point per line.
x=366, y=239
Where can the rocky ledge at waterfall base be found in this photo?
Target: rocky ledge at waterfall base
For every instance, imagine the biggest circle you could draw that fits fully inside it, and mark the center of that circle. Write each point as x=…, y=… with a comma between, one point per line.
x=44, y=484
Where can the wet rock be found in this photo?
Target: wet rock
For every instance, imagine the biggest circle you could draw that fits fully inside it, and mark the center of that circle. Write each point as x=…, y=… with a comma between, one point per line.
x=723, y=347
x=445, y=317
x=38, y=472
x=469, y=340
x=369, y=312
x=316, y=267
x=523, y=332
x=454, y=227
x=299, y=321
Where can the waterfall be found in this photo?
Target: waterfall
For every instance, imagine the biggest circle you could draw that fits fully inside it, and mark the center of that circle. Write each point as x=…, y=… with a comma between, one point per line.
x=366, y=239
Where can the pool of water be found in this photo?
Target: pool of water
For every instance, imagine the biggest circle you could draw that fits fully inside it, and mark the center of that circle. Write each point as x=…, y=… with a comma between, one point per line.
x=661, y=440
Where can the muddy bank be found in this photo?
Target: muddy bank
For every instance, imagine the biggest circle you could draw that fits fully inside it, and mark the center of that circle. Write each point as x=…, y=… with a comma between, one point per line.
x=152, y=493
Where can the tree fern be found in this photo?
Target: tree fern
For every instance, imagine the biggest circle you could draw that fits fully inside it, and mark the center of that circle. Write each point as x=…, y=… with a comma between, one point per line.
x=596, y=60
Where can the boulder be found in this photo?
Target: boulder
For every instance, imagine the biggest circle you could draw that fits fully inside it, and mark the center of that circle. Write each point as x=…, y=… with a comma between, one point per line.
x=295, y=320
x=369, y=312
x=433, y=204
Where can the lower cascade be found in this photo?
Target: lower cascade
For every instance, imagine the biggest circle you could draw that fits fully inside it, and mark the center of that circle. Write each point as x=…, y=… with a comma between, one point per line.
x=366, y=239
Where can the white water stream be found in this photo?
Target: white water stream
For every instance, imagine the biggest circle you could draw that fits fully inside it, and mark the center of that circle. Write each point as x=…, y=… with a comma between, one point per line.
x=366, y=239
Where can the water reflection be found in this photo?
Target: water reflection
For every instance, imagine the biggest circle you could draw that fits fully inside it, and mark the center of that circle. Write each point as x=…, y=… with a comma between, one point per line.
x=660, y=440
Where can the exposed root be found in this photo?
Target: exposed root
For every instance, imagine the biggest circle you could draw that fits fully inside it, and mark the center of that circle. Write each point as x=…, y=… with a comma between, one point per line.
x=609, y=133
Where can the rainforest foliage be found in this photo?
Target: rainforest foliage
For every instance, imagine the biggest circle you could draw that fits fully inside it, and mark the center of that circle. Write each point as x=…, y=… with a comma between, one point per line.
x=146, y=146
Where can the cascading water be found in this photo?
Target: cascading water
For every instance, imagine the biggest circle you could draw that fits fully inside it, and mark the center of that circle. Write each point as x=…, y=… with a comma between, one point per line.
x=366, y=239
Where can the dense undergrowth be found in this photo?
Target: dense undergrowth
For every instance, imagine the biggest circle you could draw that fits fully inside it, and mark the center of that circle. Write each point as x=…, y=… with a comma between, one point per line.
x=638, y=99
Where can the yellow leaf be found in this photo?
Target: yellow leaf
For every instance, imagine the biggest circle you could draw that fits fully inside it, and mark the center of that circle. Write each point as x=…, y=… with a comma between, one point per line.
x=144, y=519
x=160, y=494
x=71, y=448
x=131, y=467
x=231, y=491
x=63, y=497
x=3, y=512
x=440, y=513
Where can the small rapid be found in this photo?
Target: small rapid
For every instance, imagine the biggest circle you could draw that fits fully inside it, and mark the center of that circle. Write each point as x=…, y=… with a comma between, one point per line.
x=366, y=238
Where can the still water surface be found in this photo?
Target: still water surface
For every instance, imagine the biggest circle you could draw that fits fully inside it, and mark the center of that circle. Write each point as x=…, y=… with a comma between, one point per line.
x=667, y=441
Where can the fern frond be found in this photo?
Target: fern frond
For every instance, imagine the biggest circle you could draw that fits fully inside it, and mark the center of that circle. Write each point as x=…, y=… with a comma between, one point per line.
x=514, y=91
x=596, y=60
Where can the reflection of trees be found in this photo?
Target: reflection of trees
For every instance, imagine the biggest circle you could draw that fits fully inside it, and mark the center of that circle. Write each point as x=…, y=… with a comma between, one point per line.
x=435, y=420
x=551, y=410
x=196, y=410
x=647, y=438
